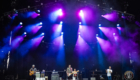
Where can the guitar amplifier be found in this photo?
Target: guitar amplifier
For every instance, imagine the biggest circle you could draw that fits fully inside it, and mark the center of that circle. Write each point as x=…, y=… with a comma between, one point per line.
x=37, y=74
x=93, y=78
x=55, y=77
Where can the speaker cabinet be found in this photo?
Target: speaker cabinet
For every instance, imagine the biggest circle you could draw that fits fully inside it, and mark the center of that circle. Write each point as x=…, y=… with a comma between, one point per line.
x=55, y=77
x=37, y=74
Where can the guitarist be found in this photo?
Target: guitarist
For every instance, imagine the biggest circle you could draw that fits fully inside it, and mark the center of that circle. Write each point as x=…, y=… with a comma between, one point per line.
x=75, y=73
x=33, y=69
x=69, y=72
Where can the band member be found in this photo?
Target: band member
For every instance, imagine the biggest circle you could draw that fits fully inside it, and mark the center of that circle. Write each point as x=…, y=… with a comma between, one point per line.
x=69, y=72
x=33, y=70
x=43, y=73
x=75, y=73
x=109, y=72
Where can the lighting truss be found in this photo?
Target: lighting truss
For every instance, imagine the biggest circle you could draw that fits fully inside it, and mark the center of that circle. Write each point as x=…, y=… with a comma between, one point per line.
x=128, y=16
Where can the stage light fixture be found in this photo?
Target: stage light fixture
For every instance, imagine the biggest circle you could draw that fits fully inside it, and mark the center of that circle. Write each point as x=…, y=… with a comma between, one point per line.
x=25, y=33
x=118, y=25
x=81, y=13
x=21, y=23
x=38, y=11
x=80, y=23
x=29, y=7
x=41, y=23
x=61, y=22
x=42, y=33
x=60, y=12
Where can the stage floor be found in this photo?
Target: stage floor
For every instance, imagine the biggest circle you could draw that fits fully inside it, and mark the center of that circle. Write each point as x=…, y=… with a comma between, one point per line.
x=40, y=78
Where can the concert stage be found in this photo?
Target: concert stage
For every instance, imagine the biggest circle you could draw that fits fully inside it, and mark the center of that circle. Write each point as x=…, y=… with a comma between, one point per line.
x=89, y=35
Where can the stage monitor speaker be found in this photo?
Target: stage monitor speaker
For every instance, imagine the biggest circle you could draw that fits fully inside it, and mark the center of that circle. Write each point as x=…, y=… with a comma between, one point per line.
x=85, y=78
x=93, y=78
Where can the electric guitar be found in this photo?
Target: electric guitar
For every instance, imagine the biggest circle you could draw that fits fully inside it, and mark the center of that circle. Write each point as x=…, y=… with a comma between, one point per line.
x=69, y=74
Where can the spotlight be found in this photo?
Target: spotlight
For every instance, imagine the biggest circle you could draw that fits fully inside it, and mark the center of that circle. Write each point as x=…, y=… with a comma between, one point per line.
x=41, y=23
x=62, y=33
x=61, y=22
x=81, y=13
x=25, y=33
x=113, y=34
x=29, y=7
x=118, y=25
x=21, y=23
x=60, y=12
x=100, y=25
x=80, y=23
x=38, y=11
x=96, y=35
x=42, y=33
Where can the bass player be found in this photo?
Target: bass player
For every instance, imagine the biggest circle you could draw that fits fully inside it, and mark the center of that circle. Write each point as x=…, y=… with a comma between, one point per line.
x=75, y=74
